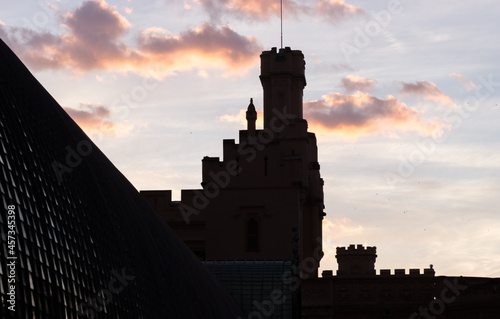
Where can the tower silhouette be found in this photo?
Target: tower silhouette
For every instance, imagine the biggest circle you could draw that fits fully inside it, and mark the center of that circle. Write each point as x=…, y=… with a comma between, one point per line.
x=256, y=224
x=264, y=186
x=260, y=210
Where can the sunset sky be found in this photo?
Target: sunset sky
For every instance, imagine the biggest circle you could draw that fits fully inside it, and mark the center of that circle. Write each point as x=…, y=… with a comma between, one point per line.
x=404, y=98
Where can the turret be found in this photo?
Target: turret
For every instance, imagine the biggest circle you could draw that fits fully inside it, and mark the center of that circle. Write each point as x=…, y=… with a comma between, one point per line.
x=356, y=261
x=283, y=80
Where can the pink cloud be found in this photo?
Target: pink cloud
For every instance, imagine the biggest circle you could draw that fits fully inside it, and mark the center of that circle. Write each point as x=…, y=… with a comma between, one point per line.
x=241, y=118
x=90, y=115
x=255, y=10
x=205, y=44
x=94, y=118
x=353, y=83
x=426, y=90
x=468, y=84
x=94, y=41
x=335, y=11
x=361, y=113
x=330, y=10
x=341, y=227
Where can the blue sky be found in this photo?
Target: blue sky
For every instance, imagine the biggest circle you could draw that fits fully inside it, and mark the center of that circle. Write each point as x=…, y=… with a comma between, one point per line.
x=404, y=97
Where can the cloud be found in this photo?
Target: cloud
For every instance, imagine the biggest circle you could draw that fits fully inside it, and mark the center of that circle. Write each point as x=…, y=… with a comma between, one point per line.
x=468, y=84
x=426, y=90
x=352, y=83
x=235, y=118
x=205, y=45
x=334, y=11
x=263, y=10
x=241, y=117
x=94, y=41
x=341, y=227
x=259, y=10
x=361, y=113
x=93, y=118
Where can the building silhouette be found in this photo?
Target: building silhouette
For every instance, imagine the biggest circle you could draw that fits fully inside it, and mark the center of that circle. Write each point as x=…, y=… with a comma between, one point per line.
x=260, y=208
x=77, y=239
x=259, y=212
x=265, y=188
x=357, y=291
x=85, y=244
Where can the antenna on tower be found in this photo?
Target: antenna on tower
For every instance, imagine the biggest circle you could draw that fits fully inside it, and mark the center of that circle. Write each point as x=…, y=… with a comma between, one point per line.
x=281, y=13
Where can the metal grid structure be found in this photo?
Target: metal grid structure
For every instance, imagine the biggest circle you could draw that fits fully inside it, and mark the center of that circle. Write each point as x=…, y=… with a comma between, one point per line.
x=261, y=288
x=85, y=244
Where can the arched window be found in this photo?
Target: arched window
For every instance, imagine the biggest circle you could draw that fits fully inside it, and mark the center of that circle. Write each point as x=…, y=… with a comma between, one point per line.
x=252, y=235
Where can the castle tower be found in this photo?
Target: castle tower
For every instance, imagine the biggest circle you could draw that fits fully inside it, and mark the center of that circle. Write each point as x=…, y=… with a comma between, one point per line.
x=283, y=80
x=356, y=261
x=264, y=199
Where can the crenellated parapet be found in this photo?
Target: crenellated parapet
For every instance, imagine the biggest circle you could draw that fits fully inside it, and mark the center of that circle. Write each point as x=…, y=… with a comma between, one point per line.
x=359, y=261
x=414, y=272
x=356, y=260
x=357, y=250
x=283, y=80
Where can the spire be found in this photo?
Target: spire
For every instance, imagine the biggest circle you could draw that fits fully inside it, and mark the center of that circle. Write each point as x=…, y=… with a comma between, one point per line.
x=251, y=118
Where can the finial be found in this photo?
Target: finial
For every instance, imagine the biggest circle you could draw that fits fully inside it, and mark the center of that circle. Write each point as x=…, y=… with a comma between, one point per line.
x=251, y=118
x=251, y=110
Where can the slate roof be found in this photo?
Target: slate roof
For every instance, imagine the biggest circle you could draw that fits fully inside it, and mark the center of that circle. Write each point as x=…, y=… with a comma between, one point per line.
x=261, y=288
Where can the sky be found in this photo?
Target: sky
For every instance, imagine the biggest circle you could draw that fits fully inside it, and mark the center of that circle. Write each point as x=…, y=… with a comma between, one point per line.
x=404, y=98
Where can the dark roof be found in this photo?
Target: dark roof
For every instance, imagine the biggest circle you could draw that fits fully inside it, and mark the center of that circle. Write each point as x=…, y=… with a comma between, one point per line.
x=267, y=289
x=86, y=234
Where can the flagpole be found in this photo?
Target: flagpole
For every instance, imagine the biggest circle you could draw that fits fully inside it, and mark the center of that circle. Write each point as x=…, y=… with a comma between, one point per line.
x=281, y=13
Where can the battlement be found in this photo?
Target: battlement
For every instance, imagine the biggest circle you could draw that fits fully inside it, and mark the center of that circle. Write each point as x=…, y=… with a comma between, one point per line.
x=356, y=260
x=283, y=80
x=357, y=250
x=386, y=273
x=413, y=272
